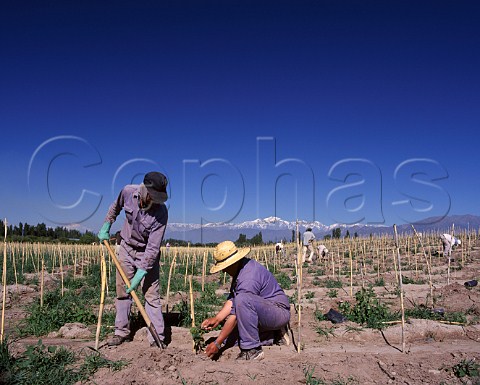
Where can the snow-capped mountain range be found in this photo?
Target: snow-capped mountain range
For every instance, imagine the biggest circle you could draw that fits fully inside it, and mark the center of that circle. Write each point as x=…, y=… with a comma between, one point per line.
x=276, y=229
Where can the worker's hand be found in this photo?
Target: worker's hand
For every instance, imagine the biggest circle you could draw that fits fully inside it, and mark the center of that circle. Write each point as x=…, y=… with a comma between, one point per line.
x=103, y=234
x=211, y=350
x=137, y=278
x=210, y=323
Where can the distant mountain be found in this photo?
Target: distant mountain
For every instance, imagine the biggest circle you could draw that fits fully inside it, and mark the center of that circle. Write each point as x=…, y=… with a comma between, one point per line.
x=276, y=229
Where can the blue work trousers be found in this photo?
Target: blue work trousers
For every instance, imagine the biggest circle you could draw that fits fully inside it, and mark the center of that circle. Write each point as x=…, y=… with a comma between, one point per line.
x=256, y=315
x=150, y=289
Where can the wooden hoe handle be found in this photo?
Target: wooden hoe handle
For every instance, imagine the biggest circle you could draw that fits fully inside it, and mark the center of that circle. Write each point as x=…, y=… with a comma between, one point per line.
x=134, y=296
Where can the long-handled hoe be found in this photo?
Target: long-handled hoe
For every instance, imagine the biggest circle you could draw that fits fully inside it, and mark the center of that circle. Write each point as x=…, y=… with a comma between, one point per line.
x=135, y=297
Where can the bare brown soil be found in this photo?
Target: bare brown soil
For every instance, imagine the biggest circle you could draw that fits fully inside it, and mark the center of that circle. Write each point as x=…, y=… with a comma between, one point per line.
x=364, y=356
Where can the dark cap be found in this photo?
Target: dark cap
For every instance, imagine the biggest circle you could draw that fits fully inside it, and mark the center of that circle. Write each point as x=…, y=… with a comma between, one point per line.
x=156, y=184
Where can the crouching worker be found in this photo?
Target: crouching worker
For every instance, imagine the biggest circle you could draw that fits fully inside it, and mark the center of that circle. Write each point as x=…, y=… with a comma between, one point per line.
x=256, y=304
x=448, y=243
x=139, y=251
x=322, y=251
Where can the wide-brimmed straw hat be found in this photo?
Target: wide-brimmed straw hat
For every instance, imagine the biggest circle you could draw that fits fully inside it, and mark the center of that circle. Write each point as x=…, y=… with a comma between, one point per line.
x=226, y=254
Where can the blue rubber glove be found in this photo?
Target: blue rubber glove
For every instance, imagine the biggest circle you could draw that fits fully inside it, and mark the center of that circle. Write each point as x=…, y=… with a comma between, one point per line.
x=137, y=278
x=104, y=234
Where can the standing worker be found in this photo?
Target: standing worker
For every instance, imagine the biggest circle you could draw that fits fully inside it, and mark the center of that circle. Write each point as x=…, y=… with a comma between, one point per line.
x=139, y=251
x=256, y=304
x=279, y=251
x=448, y=244
x=308, y=238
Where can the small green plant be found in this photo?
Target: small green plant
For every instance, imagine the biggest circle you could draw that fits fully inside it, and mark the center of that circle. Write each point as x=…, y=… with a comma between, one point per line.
x=252, y=376
x=309, y=295
x=379, y=282
x=310, y=379
x=367, y=310
x=407, y=281
x=331, y=284
x=353, y=329
x=422, y=312
x=332, y=293
x=466, y=368
x=319, y=316
x=325, y=331
x=95, y=361
x=198, y=341
x=283, y=280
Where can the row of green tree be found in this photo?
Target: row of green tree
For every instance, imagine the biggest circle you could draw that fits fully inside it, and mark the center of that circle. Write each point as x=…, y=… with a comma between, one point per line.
x=24, y=232
x=242, y=240
x=337, y=234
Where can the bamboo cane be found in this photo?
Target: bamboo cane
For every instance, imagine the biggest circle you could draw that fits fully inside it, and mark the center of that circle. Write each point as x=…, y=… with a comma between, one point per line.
x=42, y=281
x=60, y=261
x=14, y=269
x=395, y=267
x=351, y=271
x=299, y=291
x=400, y=282
x=448, y=256
x=204, y=264
x=427, y=262
x=75, y=267
x=192, y=308
x=186, y=271
x=4, y=281
x=172, y=264
x=103, y=273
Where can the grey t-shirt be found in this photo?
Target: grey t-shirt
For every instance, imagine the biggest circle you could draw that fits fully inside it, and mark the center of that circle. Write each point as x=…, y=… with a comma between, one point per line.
x=308, y=237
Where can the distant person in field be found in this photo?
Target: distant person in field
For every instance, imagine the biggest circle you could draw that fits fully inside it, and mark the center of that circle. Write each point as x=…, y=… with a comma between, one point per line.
x=322, y=251
x=308, y=238
x=255, y=308
x=279, y=251
x=139, y=250
x=449, y=243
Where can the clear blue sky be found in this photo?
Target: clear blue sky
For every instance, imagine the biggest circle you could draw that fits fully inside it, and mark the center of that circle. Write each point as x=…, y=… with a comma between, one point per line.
x=190, y=87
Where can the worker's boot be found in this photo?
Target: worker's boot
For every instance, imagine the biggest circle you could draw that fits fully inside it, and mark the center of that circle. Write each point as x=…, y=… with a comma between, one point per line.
x=251, y=354
x=118, y=340
x=281, y=336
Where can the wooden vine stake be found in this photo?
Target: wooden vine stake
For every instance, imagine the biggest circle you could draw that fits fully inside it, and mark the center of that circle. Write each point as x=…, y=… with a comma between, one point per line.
x=169, y=278
x=42, y=281
x=103, y=273
x=204, y=267
x=4, y=280
x=186, y=272
x=299, y=290
x=15, y=269
x=192, y=307
x=427, y=262
x=400, y=284
x=351, y=271
x=449, y=256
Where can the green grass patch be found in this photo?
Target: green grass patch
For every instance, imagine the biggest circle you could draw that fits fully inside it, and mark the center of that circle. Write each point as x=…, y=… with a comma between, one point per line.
x=40, y=365
x=58, y=310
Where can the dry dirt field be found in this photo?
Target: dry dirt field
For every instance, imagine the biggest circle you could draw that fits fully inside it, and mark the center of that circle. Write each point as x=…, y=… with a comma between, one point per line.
x=345, y=353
